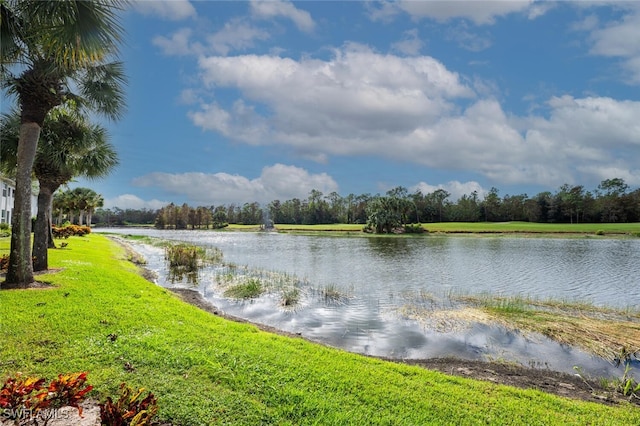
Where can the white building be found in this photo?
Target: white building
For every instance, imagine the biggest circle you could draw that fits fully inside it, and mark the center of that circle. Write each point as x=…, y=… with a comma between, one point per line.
x=7, y=197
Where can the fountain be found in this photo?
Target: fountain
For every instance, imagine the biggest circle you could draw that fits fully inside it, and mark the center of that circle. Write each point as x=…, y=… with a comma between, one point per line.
x=267, y=223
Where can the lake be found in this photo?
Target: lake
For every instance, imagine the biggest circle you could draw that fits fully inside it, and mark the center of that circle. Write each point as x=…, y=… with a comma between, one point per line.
x=382, y=279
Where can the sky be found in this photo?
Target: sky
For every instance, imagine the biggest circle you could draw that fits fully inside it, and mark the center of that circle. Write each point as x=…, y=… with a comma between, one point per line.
x=235, y=102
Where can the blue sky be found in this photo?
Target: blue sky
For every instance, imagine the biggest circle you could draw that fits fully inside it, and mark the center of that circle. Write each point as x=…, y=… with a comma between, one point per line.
x=256, y=101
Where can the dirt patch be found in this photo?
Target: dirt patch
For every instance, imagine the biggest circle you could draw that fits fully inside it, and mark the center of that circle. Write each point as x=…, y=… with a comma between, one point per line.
x=562, y=384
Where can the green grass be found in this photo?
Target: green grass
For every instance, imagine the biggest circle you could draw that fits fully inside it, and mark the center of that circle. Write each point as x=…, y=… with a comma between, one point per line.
x=564, y=229
x=528, y=227
x=207, y=370
x=248, y=289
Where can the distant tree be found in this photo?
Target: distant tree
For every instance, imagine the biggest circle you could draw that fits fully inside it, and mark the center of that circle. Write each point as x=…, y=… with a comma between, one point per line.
x=384, y=215
x=491, y=206
x=611, y=192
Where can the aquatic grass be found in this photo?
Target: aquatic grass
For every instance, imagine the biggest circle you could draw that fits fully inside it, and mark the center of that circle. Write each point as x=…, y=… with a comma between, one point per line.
x=444, y=320
x=331, y=293
x=247, y=289
x=233, y=278
x=290, y=297
x=602, y=331
x=206, y=370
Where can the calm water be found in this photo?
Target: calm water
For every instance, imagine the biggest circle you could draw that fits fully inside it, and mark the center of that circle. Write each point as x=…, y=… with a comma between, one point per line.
x=382, y=277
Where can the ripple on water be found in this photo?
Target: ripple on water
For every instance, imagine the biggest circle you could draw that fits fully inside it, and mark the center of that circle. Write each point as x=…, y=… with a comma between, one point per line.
x=382, y=274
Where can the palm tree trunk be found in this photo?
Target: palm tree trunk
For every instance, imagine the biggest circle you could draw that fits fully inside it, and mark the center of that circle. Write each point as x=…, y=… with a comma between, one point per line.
x=52, y=243
x=20, y=271
x=42, y=228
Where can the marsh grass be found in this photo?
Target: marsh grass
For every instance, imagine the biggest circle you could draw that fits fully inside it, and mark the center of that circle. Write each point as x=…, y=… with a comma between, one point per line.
x=600, y=330
x=290, y=297
x=249, y=288
x=240, y=279
x=185, y=260
x=206, y=370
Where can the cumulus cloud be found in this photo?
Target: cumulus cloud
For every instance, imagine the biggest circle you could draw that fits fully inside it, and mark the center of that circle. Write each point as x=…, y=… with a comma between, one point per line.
x=174, y=10
x=275, y=182
x=616, y=38
x=358, y=93
x=130, y=201
x=479, y=12
x=267, y=9
x=469, y=40
x=410, y=43
x=455, y=188
x=179, y=43
x=413, y=109
x=237, y=34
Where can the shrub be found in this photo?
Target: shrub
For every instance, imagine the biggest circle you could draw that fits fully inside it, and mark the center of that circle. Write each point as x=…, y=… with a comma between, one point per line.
x=29, y=399
x=4, y=262
x=413, y=229
x=4, y=226
x=600, y=232
x=67, y=231
x=129, y=409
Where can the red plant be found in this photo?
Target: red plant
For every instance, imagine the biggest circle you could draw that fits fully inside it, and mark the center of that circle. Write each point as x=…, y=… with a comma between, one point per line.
x=67, y=389
x=16, y=393
x=4, y=262
x=129, y=410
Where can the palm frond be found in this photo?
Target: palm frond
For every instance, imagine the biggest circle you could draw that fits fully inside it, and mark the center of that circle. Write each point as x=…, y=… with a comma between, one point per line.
x=102, y=89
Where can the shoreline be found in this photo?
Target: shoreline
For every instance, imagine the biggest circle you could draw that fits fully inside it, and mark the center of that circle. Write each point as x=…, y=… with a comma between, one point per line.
x=568, y=385
x=511, y=374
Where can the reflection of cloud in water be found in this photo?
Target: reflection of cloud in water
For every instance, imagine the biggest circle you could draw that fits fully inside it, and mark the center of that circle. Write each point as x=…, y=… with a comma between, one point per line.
x=368, y=321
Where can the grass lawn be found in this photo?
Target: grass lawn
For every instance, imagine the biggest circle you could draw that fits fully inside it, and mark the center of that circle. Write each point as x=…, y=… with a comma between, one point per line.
x=208, y=370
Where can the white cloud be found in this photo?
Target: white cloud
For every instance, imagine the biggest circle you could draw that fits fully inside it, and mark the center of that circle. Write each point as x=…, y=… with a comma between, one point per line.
x=408, y=109
x=617, y=38
x=174, y=10
x=455, y=188
x=357, y=93
x=383, y=11
x=130, y=201
x=410, y=44
x=479, y=12
x=178, y=43
x=275, y=182
x=267, y=9
x=236, y=34
x=468, y=40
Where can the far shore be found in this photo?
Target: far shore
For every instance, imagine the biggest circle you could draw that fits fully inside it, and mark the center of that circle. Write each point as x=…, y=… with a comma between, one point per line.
x=463, y=229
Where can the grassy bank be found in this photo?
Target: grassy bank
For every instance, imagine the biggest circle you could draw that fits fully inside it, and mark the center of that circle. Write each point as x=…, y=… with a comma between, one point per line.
x=522, y=228
x=207, y=370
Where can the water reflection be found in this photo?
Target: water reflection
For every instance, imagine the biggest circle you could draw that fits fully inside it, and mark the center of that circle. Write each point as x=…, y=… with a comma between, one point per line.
x=377, y=277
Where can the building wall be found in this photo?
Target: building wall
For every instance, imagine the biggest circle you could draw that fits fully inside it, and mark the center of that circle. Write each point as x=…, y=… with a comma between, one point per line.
x=7, y=198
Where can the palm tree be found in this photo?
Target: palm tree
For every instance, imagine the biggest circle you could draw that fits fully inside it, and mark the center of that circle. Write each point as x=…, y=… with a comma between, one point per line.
x=69, y=147
x=47, y=47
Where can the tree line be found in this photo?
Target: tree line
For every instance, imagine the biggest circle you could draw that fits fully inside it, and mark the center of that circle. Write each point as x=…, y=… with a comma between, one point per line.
x=611, y=201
